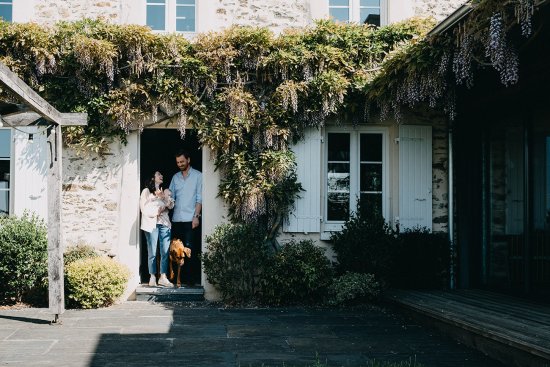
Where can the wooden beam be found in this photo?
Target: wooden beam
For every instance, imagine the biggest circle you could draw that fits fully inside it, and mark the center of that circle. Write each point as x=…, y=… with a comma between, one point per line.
x=56, y=282
x=21, y=118
x=33, y=100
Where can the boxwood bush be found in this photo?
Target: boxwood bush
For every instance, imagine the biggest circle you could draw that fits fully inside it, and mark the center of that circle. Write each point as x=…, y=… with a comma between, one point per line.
x=95, y=282
x=366, y=244
x=236, y=257
x=23, y=259
x=77, y=252
x=298, y=274
x=353, y=288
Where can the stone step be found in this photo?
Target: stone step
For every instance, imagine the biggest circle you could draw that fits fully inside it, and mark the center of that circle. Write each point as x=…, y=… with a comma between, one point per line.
x=164, y=294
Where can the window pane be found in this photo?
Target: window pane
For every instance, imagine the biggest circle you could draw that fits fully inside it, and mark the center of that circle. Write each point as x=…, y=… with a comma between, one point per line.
x=370, y=16
x=338, y=177
x=5, y=146
x=185, y=2
x=371, y=204
x=4, y=174
x=338, y=206
x=4, y=201
x=372, y=3
x=371, y=147
x=339, y=14
x=338, y=147
x=5, y=10
x=185, y=19
x=156, y=17
x=156, y=1
x=338, y=3
x=371, y=177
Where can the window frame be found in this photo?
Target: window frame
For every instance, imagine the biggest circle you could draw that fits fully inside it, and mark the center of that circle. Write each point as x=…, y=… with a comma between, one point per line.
x=355, y=7
x=170, y=17
x=8, y=3
x=355, y=167
x=11, y=160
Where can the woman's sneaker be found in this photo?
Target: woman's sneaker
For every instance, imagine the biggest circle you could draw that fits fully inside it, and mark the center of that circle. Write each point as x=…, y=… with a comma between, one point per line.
x=153, y=281
x=164, y=281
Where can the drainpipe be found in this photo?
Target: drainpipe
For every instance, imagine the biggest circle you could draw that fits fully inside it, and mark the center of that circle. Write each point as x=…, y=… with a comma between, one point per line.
x=451, y=211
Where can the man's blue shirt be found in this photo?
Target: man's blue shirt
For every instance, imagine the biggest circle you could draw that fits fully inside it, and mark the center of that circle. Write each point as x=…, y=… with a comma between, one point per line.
x=187, y=192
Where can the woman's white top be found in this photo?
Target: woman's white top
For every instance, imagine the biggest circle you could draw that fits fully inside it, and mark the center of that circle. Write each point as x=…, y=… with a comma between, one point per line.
x=149, y=204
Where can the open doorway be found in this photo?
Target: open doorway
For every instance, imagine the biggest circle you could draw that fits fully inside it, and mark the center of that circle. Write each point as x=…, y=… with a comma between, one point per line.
x=157, y=149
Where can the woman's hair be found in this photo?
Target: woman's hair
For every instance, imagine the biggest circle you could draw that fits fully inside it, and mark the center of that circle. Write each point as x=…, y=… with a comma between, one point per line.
x=150, y=183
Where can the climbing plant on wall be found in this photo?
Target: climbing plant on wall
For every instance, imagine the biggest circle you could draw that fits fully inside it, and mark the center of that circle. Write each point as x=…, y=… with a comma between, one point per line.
x=250, y=94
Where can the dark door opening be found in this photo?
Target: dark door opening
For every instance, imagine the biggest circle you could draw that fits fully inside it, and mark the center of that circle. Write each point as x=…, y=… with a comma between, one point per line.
x=157, y=150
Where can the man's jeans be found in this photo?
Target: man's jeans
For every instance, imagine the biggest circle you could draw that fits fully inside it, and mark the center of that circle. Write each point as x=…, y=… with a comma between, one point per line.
x=161, y=233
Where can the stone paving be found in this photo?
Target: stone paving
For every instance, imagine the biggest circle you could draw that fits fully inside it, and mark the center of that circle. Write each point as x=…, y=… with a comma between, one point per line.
x=150, y=334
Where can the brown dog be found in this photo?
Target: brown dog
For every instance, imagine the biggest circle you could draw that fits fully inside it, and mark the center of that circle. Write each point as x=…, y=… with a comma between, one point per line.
x=178, y=253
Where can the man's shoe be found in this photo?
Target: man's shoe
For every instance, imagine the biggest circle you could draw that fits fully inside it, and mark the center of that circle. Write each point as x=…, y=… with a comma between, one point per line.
x=164, y=281
x=153, y=281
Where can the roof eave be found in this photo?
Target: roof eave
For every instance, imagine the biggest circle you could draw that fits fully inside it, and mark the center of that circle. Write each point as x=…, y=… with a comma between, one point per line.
x=451, y=20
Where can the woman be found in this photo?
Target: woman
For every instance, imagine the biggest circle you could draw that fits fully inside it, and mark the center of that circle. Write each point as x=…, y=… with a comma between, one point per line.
x=154, y=204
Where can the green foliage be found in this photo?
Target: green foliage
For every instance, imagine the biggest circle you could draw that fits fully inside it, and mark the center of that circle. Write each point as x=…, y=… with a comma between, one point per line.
x=95, y=282
x=366, y=244
x=77, y=252
x=353, y=288
x=248, y=93
x=423, y=260
x=236, y=257
x=23, y=257
x=299, y=273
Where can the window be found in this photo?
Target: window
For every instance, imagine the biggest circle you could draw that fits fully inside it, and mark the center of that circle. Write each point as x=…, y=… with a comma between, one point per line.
x=6, y=10
x=156, y=14
x=171, y=15
x=369, y=12
x=339, y=10
x=362, y=11
x=355, y=169
x=5, y=156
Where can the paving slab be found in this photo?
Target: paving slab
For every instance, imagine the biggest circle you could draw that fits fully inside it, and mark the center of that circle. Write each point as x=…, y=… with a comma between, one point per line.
x=160, y=334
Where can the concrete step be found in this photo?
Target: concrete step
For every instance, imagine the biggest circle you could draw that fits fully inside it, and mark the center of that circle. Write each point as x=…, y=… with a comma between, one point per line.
x=164, y=294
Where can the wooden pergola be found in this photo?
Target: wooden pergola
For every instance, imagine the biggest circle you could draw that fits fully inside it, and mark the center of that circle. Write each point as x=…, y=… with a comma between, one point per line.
x=31, y=108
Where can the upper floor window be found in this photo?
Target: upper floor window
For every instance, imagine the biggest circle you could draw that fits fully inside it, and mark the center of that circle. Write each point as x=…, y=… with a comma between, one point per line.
x=6, y=8
x=362, y=11
x=171, y=15
x=5, y=158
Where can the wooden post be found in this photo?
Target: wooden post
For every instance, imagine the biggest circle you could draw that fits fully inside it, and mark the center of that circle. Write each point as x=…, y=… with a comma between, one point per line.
x=56, y=282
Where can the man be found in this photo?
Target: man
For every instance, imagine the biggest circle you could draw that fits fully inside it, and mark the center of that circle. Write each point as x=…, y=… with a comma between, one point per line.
x=186, y=188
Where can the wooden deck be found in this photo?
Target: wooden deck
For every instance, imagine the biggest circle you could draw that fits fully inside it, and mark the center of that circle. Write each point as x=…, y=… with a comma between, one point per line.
x=512, y=330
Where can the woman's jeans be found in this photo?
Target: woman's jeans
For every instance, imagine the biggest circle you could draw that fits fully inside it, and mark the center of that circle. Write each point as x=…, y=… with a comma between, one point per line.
x=161, y=233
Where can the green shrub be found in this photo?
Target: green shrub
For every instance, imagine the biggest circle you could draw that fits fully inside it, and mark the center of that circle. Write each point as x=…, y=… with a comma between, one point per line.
x=423, y=260
x=366, y=245
x=23, y=258
x=77, y=252
x=236, y=256
x=353, y=288
x=298, y=273
x=95, y=282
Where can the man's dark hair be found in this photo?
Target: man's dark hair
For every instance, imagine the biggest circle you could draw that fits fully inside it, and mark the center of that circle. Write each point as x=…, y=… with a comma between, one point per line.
x=182, y=152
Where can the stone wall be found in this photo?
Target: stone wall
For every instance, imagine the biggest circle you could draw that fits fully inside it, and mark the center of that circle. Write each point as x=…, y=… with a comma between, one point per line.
x=91, y=196
x=52, y=11
x=436, y=8
x=275, y=14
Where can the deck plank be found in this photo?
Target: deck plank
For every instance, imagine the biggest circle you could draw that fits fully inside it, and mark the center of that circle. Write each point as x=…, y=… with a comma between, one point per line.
x=511, y=321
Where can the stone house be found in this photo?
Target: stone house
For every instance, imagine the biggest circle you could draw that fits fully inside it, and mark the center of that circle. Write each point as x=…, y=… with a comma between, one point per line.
x=404, y=172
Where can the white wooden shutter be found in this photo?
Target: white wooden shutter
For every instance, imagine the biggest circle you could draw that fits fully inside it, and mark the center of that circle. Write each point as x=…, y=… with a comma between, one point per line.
x=30, y=170
x=415, y=176
x=306, y=215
